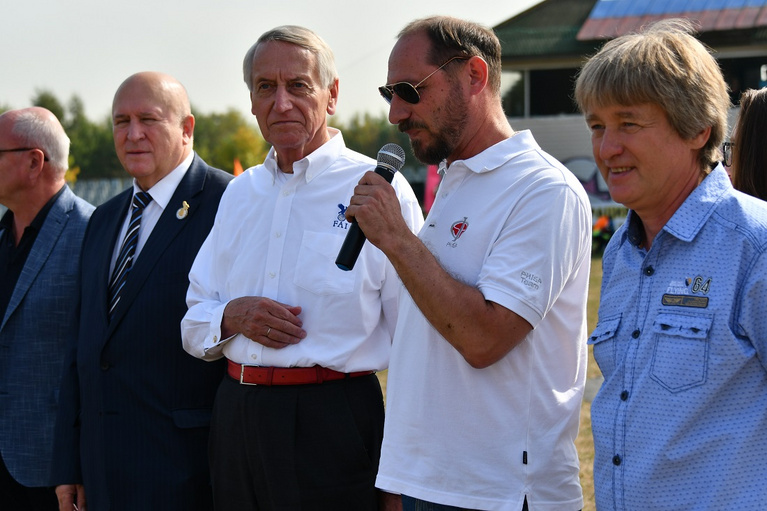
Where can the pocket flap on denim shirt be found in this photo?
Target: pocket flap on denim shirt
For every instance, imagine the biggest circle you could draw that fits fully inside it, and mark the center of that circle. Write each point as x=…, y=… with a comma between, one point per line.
x=605, y=329
x=695, y=327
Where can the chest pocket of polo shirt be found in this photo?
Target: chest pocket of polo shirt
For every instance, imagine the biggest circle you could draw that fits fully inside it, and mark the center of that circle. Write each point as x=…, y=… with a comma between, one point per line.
x=316, y=269
x=604, y=352
x=680, y=357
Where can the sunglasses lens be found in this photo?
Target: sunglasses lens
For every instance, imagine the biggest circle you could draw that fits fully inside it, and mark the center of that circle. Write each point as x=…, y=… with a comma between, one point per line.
x=407, y=92
x=386, y=93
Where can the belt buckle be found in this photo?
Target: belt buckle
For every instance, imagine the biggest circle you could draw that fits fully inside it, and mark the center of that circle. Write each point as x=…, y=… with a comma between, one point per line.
x=242, y=376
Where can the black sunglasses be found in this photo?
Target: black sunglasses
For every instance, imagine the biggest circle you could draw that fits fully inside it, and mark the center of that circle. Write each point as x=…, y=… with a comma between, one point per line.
x=19, y=149
x=409, y=92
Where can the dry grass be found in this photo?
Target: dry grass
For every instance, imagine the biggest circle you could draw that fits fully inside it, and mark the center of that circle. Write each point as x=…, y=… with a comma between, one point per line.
x=584, y=443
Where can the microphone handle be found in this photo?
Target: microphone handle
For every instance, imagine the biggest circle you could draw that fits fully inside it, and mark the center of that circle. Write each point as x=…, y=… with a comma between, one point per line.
x=355, y=238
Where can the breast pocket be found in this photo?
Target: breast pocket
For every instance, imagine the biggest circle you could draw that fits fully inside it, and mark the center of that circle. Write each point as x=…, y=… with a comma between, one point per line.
x=604, y=351
x=316, y=270
x=680, y=357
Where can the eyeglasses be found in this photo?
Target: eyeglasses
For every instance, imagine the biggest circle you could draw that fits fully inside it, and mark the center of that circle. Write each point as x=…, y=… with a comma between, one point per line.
x=727, y=153
x=409, y=92
x=19, y=149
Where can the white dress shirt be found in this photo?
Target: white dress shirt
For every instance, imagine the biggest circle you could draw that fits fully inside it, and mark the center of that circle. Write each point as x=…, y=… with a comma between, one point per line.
x=277, y=235
x=161, y=194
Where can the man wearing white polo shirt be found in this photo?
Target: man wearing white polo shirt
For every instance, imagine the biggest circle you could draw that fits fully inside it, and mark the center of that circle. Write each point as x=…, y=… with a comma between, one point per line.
x=489, y=355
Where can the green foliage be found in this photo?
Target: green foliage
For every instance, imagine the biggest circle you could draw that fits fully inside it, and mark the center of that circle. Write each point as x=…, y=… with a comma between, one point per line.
x=220, y=138
x=47, y=99
x=92, y=149
x=367, y=134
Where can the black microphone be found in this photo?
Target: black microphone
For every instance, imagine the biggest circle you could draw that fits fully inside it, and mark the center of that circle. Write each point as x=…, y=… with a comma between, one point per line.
x=391, y=157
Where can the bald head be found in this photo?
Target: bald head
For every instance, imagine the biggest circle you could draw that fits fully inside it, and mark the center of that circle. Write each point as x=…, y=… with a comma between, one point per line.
x=37, y=128
x=152, y=125
x=160, y=87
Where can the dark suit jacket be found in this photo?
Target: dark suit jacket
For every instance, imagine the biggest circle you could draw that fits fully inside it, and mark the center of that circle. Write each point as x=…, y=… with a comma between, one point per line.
x=135, y=408
x=39, y=324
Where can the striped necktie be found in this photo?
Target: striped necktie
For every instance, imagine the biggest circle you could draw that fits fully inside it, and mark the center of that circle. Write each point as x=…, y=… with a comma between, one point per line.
x=128, y=250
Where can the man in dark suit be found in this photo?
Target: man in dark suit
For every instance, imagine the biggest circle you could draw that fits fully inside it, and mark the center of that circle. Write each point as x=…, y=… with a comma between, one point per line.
x=40, y=239
x=133, y=424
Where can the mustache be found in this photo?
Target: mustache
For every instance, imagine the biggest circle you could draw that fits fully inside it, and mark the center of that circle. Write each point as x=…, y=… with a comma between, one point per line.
x=409, y=125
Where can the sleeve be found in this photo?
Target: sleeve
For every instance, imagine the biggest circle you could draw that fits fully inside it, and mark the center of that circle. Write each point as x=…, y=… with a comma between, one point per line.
x=541, y=244
x=201, y=325
x=751, y=320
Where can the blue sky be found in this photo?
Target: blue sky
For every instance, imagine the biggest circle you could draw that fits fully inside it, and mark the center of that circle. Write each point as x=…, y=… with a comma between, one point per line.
x=88, y=47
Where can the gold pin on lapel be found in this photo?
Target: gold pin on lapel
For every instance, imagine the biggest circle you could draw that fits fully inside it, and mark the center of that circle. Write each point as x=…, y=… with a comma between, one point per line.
x=183, y=210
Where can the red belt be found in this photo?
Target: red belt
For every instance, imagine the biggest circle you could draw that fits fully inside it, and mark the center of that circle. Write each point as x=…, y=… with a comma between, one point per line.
x=255, y=375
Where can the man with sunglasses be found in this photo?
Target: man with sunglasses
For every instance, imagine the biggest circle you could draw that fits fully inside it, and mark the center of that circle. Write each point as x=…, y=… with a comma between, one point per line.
x=489, y=354
x=40, y=238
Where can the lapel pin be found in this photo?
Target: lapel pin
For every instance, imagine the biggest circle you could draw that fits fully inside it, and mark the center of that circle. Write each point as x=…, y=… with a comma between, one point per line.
x=183, y=210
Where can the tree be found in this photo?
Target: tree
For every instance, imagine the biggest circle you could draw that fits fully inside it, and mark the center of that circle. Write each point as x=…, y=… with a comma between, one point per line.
x=47, y=99
x=220, y=138
x=92, y=150
x=367, y=134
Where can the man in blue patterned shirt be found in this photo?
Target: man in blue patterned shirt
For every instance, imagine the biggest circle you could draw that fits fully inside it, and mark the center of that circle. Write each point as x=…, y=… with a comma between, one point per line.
x=681, y=419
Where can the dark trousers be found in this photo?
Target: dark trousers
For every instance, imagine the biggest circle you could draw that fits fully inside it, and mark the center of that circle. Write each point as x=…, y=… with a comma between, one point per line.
x=296, y=447
x=17, y=497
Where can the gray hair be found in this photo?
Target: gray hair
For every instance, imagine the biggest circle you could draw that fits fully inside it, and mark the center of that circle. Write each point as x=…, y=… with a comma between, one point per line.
x=34, y=130
x=665, y=65
x=300, y=36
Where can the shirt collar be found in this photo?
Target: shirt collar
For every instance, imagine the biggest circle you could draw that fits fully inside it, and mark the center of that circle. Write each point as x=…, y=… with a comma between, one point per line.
x=692, y=215
x=315, y=163
x=6, y=222
x=163, y=190
x=496, y=155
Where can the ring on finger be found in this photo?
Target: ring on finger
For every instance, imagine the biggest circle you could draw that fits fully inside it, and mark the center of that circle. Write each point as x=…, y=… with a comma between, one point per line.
x=268, y=330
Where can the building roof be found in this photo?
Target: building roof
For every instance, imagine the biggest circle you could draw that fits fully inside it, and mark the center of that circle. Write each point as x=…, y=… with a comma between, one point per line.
x=547, y=29
x=574, y=28
x=613, y=18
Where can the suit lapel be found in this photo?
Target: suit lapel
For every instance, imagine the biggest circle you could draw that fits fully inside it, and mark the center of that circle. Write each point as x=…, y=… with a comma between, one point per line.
x=167, y=228
x=46, y=239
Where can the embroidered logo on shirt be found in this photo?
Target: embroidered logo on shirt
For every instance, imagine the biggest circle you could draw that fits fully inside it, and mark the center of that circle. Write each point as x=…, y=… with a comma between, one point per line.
x=687, y=293
x=457, y=230
x=340, y=220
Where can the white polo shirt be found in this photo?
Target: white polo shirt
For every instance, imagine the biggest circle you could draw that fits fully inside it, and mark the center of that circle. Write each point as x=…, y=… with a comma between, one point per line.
x=517, y=224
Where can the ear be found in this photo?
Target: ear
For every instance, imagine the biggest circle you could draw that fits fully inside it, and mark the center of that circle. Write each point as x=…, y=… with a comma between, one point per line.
x=700, y=140
x=478, y=74
x=35, y=165
x=187, y=128
x=333, y=100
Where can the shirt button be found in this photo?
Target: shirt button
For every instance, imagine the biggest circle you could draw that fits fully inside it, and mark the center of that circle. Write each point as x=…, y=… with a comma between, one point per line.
x=254, y=356
x=616, y=460
x=624, y=395
x=635, y=334
x=272, y=275
x=277, y=234
x=649, y=271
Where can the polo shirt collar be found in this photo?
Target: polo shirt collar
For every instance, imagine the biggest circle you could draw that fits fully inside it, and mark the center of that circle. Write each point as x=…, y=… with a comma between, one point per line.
x=496, y=155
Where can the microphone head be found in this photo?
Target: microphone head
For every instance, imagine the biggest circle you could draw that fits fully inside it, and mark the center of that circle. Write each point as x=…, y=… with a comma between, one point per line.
x=391, y=156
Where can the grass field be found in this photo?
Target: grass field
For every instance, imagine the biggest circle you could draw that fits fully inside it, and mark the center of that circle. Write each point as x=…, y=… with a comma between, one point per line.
x=584, y=442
